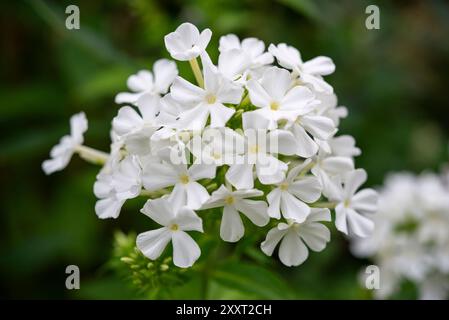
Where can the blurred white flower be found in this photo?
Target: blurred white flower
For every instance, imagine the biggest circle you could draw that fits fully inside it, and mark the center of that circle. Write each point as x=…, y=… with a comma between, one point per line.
x=411, y=235
x=63, y=151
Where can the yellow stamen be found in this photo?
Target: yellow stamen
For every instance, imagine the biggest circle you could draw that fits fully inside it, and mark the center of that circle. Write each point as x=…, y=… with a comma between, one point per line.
x=174, y=227
x=274, y=106
x=184, y=179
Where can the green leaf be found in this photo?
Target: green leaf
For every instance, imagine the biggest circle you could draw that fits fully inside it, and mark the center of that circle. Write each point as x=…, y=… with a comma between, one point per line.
x=252, y=279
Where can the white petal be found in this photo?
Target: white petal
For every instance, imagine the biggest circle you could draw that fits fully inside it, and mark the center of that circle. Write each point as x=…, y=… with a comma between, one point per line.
x=188, y=220
x=126, y=97
x=254, y=120
x=294, y=209
x=365, y=201
x=276, y=82
x=219, y=115
x=273, y=237
x=202, y=171
x=254, y=210
x=274, y=201
x=185, y=92
x=257, y=94
x=270, y=170
x=317, y=83
x=204, y=38
x=78, y=126
x=216, y=199
x=282, y=142
x=319, y=65
x=196, y=195
x=337, y=165
x=315, y=235
x=287, y=56
x=292, y=251
x=126, y=121
x=194, y=119
x=241, y=176
x=358, y=224
x=152, y=243
x=108, y=207
x=229, y=42
x=159, y=210
x=307, y=189
x=165, y=72
x=231, y=227
x=185, y=250
x=318, y=126
x=298, y=99
x=305, y=144
x=340, y=218
x=353, y=180
x=157, y=176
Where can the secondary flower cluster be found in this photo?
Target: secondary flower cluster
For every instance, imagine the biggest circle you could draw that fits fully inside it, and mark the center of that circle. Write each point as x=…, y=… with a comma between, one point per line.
x=411, y=239
x=253, y=137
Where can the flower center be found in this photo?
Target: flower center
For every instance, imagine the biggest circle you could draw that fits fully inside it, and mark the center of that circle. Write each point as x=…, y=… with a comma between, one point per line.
x=347, y=203
x=211, y=99
x=274, y=106
x=229, y=200
x=184, y=178
x=254, y=149
x=216, y=155
x=174, y=227
x=283, y=186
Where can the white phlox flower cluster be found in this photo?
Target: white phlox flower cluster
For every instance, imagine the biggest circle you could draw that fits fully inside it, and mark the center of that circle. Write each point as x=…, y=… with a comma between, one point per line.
x=255, y=135
x=411, y=238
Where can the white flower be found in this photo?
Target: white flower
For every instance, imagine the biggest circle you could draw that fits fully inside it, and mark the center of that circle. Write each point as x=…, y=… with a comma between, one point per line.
x=329, y=169
x=289, y=195
x=216, y=146
x=186, y=42
x=116, y=184
x=253, y=48
x=63, y=151
x=292, y=250
x=352, y=206
x=175, y=221
x=276, y=97
x=310, y=72
x=145, y=83
x=309, y=129
x=233, y=202
x=344, y=146
x=186, y=189
x=208, y=101
x=260, y=151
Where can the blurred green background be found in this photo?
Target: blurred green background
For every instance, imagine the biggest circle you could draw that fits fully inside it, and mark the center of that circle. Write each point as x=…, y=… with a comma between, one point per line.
x=393, y=81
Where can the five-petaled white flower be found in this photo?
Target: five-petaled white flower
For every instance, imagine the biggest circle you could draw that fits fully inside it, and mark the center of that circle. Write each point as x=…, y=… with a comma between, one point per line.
x=186, y=189
x=63, y=151
x=277, y=98
x=210, y=100
x=289, y=195
x=176, y=220
x=186, y=42
x=352, y=206
x=233, y=202
x=146, y=83
x=310, y=72
x=292, y=250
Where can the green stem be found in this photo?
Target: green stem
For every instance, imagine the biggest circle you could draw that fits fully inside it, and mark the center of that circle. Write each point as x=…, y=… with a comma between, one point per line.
x=329, y=205
x=197, y=72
